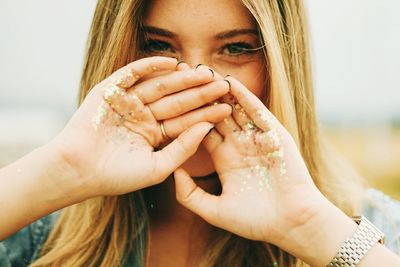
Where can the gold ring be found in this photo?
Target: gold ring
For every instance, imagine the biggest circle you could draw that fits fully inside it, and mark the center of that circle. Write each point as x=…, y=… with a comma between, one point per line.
x=164, y=134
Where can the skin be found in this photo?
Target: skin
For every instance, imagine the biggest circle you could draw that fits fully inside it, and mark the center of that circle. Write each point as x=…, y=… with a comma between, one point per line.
x=206, y=48
x=297, y=204
x=128, y=154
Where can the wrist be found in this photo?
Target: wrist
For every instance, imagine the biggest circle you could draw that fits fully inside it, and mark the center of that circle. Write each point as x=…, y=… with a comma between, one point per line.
x=317, y=241
x=61, y=178
x=34, y=186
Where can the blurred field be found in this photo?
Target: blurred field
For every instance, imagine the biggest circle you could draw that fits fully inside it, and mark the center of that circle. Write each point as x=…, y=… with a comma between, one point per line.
x=374, y=151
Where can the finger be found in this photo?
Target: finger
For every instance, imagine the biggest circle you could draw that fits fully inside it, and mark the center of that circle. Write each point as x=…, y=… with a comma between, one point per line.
x=157, y=87
x=128, y=75
x=240, y=117
x=202, y=66
x=178, y=151
x=182, y=65
x=190, y=99
x=215, y=113
x=212, y=140
x=227, y=126
x=256, y=110
x=127, y=106
x=195, y=198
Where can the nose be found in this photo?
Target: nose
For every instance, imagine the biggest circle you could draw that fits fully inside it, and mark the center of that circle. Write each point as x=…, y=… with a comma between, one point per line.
x=195, y=57
x=194, y=60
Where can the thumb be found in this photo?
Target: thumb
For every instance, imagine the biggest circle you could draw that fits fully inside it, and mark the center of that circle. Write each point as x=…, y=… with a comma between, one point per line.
x=178, y=151
x=195, y=198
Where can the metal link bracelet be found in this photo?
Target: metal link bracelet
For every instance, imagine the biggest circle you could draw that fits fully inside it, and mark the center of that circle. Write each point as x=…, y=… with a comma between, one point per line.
x=354, y=249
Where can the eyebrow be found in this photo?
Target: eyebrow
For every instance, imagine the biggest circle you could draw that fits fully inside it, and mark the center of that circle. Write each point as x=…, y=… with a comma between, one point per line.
x=159, y=31
x=236, y=32
x=219, y=36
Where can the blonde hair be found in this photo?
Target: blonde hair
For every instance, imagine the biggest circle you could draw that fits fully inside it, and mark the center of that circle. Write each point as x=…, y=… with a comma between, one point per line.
x=105, y=231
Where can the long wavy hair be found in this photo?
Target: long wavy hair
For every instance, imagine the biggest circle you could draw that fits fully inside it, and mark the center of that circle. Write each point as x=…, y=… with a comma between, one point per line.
x=111, y=231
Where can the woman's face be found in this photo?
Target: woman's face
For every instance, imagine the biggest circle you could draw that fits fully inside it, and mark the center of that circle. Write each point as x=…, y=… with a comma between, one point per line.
x=216, y=33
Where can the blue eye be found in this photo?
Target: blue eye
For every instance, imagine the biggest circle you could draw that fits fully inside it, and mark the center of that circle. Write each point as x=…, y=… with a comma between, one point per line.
x=236, y=49
x=157, y=46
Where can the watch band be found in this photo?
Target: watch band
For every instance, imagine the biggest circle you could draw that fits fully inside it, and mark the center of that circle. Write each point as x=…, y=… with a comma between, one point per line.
x=355, y=247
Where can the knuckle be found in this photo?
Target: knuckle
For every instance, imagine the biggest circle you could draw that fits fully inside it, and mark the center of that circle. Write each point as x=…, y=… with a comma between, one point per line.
x=180, y=106
x=184, y=122
x=161, y=88
x=136, y=71
x=184, y=148
x=208, y=113
x=186, y=199
x=152, y=108
x=204, y=95
x=186, y=78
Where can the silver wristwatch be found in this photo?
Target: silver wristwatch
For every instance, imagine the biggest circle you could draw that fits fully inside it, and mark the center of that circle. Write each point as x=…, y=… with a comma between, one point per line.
x=355, y=247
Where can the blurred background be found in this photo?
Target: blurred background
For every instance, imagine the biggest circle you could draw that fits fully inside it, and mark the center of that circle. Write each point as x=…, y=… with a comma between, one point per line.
x=356, y=66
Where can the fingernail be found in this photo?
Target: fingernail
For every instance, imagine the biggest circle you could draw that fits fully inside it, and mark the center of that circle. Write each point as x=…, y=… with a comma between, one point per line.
x=198, y=65
x=229, y=83
x=209, y=132
x=212, y=72
x=179, y=62
x=233, y=108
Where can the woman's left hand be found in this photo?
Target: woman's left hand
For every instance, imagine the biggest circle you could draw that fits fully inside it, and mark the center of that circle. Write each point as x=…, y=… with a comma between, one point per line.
x=267, y=191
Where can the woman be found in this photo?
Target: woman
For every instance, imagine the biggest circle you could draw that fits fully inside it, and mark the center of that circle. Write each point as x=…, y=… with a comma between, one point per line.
x=248, y=188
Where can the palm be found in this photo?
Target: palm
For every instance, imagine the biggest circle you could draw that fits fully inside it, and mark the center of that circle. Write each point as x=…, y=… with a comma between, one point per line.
x=124, y=161
x=266, y=187
x=262, y=200
x=116, y=156
x=110, y=141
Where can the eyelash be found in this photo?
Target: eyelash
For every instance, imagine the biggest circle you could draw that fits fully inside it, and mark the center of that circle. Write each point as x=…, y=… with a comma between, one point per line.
x=244, y=47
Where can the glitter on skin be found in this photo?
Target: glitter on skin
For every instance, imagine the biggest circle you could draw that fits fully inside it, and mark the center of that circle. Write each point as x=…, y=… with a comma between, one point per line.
x=125, y=80
x=112, y=90
x=103, y=109
x=101, y=113
x=268, y=150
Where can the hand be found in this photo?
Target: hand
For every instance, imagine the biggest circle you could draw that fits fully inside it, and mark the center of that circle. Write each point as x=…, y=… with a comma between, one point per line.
x=267, y=191
x=110, y=141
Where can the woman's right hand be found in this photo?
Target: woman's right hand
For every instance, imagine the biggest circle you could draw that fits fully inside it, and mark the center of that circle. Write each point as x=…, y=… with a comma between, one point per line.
x=111, y=141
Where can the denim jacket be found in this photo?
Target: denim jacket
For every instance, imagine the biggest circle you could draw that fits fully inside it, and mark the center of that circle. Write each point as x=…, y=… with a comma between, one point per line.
x=23, y=247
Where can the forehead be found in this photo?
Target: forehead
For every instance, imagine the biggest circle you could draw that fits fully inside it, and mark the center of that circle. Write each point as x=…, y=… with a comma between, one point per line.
x=198, y=16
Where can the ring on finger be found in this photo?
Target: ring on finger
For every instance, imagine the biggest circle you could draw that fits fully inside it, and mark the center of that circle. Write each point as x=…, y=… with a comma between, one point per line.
x=163, y=132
